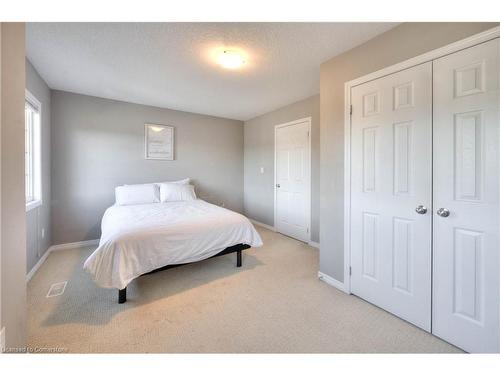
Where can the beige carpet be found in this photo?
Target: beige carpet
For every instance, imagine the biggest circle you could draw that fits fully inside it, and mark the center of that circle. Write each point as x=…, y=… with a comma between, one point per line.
x=274, y=303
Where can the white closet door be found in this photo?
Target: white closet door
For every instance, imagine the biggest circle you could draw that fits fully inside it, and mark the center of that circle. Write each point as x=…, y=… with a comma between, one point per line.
x=293, y=202
x=466, y=293
x=390, y=178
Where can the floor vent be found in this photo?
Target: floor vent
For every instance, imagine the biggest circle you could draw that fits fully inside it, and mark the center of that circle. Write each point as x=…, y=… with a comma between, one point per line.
x=57, y=289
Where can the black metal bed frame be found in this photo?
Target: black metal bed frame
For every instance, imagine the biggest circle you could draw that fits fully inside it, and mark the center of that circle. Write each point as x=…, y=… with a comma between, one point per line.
x=122, y=293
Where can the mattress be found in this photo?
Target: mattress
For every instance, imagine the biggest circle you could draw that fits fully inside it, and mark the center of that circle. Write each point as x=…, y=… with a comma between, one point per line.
x=140, y=238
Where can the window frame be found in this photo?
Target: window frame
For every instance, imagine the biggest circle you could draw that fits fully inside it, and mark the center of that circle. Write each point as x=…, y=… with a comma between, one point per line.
x=36, y=137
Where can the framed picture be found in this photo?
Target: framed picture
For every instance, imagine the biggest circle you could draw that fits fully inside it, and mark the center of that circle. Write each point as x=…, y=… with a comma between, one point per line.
x=159, y=142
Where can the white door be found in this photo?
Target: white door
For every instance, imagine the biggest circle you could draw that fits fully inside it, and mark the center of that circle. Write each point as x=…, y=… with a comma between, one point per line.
x=391, y=130
x=466, y=293
x=292, y=179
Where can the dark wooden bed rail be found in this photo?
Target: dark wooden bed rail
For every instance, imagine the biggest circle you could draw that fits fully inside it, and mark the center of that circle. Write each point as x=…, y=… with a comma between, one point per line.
x=122, y=293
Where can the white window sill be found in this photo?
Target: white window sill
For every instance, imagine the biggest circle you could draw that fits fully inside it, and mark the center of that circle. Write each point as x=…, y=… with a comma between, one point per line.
x=33, y=204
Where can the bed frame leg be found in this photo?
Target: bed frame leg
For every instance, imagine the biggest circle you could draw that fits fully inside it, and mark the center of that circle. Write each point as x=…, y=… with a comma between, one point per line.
x=122, y=295
x=238, y=258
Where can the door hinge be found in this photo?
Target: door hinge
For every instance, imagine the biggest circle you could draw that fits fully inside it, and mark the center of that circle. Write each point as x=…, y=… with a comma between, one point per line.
x=350, y=109
x=350, y=270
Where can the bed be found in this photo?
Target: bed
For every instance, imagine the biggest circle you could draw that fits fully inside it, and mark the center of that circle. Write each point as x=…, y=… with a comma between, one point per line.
x=142, y=238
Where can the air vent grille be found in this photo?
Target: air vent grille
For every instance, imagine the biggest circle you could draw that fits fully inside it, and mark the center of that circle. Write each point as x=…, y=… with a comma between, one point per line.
x=57, y=289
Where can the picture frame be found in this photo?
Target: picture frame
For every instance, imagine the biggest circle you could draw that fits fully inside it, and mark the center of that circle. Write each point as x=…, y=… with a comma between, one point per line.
x=158, y=142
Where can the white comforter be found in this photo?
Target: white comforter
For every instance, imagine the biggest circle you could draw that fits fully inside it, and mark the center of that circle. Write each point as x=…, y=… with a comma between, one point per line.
x=140, y=238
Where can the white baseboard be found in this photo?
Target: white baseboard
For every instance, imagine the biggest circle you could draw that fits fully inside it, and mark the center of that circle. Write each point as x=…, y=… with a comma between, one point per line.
x=333, y=282
x=63, y=246
x=2, y=340
x=263, y=225
x=313, y=244
x=37, y=265
x=310, y=243
x=73, y=245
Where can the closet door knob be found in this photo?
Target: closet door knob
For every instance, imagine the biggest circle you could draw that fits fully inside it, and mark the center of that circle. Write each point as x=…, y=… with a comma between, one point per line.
x=443, y=212
x=422, y=210
x=278, y=185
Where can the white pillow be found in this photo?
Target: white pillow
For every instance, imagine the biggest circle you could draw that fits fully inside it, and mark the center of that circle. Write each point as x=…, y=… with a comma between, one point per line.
x=137, y=194
x=186, y=181
x=171, y=192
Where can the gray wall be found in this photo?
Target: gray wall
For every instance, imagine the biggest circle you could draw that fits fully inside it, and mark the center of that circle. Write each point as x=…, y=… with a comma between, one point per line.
x=38, y=219
x=98, y=144
x=13, y=205
x=398, y=44
x=259, y=152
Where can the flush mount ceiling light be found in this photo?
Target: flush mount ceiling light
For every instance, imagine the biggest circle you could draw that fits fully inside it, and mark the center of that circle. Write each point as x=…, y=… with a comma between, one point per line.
x=230, y=59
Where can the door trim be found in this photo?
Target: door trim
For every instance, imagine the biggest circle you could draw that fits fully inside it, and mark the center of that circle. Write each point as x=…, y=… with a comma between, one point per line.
x=426, y=57
x=308, y=213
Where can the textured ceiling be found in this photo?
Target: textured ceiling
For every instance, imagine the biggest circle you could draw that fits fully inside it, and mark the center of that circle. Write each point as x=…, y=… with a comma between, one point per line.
x=170, y=64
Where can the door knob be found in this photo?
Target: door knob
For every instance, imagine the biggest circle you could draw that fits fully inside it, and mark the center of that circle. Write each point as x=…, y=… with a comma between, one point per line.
x=422, y=210
x=443, y=212
x=278, y=185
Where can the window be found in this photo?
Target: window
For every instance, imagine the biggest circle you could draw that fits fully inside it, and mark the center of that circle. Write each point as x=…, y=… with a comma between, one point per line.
x=32, y=119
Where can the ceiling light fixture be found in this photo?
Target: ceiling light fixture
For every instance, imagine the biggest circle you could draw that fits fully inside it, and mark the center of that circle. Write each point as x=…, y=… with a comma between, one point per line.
x=230, y=59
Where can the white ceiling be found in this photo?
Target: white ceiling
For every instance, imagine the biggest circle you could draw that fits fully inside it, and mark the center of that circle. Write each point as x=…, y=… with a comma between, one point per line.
x=170, y=64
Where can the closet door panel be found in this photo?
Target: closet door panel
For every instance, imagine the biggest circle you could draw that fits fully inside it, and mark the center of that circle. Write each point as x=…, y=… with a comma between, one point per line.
x=466, y=294
x=390, y=177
